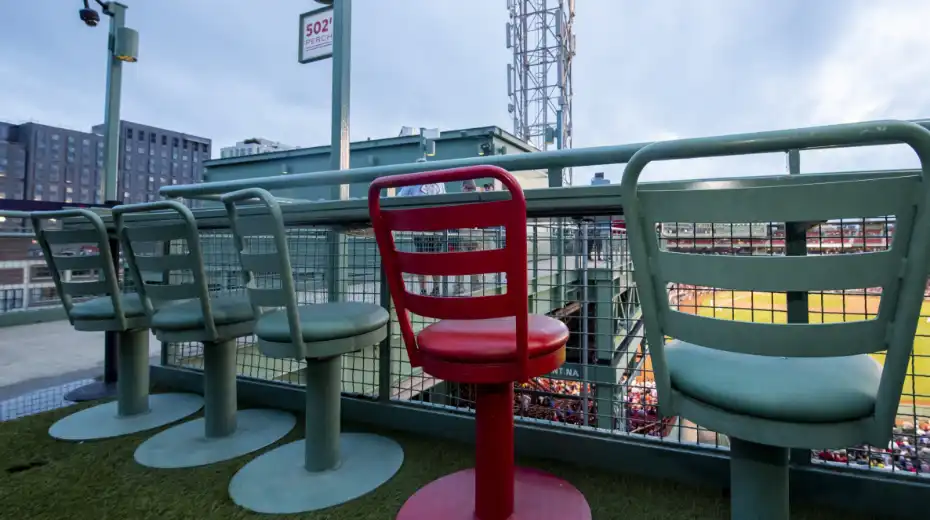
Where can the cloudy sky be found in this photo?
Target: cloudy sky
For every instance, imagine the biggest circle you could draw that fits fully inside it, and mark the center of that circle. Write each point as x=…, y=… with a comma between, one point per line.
x=644, y=70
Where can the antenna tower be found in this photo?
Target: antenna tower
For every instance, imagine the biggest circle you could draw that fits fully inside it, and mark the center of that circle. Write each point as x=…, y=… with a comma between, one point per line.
x=539, y=80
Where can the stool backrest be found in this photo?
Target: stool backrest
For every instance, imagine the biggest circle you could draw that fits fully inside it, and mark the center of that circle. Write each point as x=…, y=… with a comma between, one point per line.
x=91, y=231
x=900, y=271
x=160, y=223
x=509, y=214
x=263, y=267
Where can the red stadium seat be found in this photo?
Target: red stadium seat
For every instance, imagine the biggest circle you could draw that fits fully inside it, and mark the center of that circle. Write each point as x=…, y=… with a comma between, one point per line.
x=491, y=341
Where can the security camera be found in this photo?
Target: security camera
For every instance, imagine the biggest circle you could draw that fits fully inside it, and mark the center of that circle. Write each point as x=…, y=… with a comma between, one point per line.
x=90, y=17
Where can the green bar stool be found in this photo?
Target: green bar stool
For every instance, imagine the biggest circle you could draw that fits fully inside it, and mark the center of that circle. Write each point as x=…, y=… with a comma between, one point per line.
x=328, y=467
x=184, y=310
x=134, y=409
x=774, y=386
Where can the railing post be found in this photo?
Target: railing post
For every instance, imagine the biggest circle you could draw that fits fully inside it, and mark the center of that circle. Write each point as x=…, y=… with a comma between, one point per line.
x=555, y=181
x=337, y=263
x=534, y=281
x=384, y=349
x=797, y=302
x=605, y=339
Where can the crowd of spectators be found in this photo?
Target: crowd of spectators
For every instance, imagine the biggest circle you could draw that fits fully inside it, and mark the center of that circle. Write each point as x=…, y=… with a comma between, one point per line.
x=909, y=450
x=555, y=400
x=642, y=411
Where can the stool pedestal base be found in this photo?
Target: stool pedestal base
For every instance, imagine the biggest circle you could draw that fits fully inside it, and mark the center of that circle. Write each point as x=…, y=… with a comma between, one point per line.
x=537, y=496
x=103, y=421
x=278, y=482
x=186, y=445
x=92, y=392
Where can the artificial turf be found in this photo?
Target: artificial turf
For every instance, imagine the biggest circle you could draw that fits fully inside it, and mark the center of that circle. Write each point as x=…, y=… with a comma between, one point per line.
x=42, y=478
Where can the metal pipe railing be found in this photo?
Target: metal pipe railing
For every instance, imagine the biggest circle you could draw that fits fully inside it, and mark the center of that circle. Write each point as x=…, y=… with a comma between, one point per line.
x=549, y=160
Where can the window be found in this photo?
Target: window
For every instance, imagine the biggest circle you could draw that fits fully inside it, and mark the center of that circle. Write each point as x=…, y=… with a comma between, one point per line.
x=185, y=144
x=152, y=137
x=128, y=147
x=129, y=133
x=86, y=142
x=206, y=150
x=69, y=189
x=141, y=135
x=164, y=140
x=55, y=137
x=174, y=142
x=194, y=147
x=70, y=139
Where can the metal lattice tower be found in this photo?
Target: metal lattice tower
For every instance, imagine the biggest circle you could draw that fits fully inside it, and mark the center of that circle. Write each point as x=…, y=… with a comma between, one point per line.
x=539, y=81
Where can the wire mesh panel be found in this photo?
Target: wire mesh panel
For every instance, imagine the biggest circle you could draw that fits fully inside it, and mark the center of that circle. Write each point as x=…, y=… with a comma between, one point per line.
x=324, y=263
x=607, y=381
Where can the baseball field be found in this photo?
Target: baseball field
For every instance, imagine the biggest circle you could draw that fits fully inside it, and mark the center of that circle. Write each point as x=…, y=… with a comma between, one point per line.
x=771, y=308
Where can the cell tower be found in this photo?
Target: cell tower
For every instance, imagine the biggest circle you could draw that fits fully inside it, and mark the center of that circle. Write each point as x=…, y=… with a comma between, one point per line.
x=539, y=81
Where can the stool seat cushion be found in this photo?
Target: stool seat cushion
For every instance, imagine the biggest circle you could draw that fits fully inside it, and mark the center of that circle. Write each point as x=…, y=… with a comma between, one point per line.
x=323, y=322
x=802, y=390
x=490, y=341
x=102, y=308
x=227, y=309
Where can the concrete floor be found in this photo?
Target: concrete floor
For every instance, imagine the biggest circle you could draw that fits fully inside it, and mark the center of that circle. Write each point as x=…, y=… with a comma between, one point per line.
x=44, y=353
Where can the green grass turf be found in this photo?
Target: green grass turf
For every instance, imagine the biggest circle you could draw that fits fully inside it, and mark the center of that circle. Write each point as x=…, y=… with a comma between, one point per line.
x=41, y=478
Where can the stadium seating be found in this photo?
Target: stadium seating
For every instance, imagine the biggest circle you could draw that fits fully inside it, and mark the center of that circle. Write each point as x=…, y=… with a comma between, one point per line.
x=328, y=467
x=167, y=266
x=772, y=386
x=490, y=341
x=93, y=298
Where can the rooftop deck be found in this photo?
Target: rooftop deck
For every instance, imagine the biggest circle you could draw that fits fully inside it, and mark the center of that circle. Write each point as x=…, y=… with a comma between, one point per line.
x=594, y=421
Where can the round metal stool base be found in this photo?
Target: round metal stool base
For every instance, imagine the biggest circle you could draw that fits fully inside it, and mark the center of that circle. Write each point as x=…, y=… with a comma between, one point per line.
x=102, y=421
x=186, y=445
x=92, y=392
x=537, y=496
x=277, y=482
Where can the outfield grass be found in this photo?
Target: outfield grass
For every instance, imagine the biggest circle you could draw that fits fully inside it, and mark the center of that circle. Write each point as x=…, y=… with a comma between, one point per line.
x=828, y=308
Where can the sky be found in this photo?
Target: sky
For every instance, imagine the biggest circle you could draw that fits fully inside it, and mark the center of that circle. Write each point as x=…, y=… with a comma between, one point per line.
x=644, y=70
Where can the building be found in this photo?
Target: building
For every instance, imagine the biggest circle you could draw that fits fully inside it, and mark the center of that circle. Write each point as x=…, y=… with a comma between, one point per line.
x=253, y=146
x=152, y=157
x=405, y=148
x=47, y=163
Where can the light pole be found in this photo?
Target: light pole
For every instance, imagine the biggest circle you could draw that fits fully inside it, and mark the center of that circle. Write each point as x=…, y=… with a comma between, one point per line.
x=122, y=46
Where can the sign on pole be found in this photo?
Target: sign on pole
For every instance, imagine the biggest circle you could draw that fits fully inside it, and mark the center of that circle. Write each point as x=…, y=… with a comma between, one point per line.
x=316, y=35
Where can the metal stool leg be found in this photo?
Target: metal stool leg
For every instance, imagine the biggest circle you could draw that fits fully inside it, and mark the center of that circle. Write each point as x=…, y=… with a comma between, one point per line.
x=758, y=481
x=223, y=433
x=219, y=388
x=495, y=489
x=134, y=410
x=324, y=396
x=132, y=386
x=326, y=468
x=106, y=388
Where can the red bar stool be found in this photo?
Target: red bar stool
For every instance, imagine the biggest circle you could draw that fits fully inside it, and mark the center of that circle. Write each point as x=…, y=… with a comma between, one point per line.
x=491, y=341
